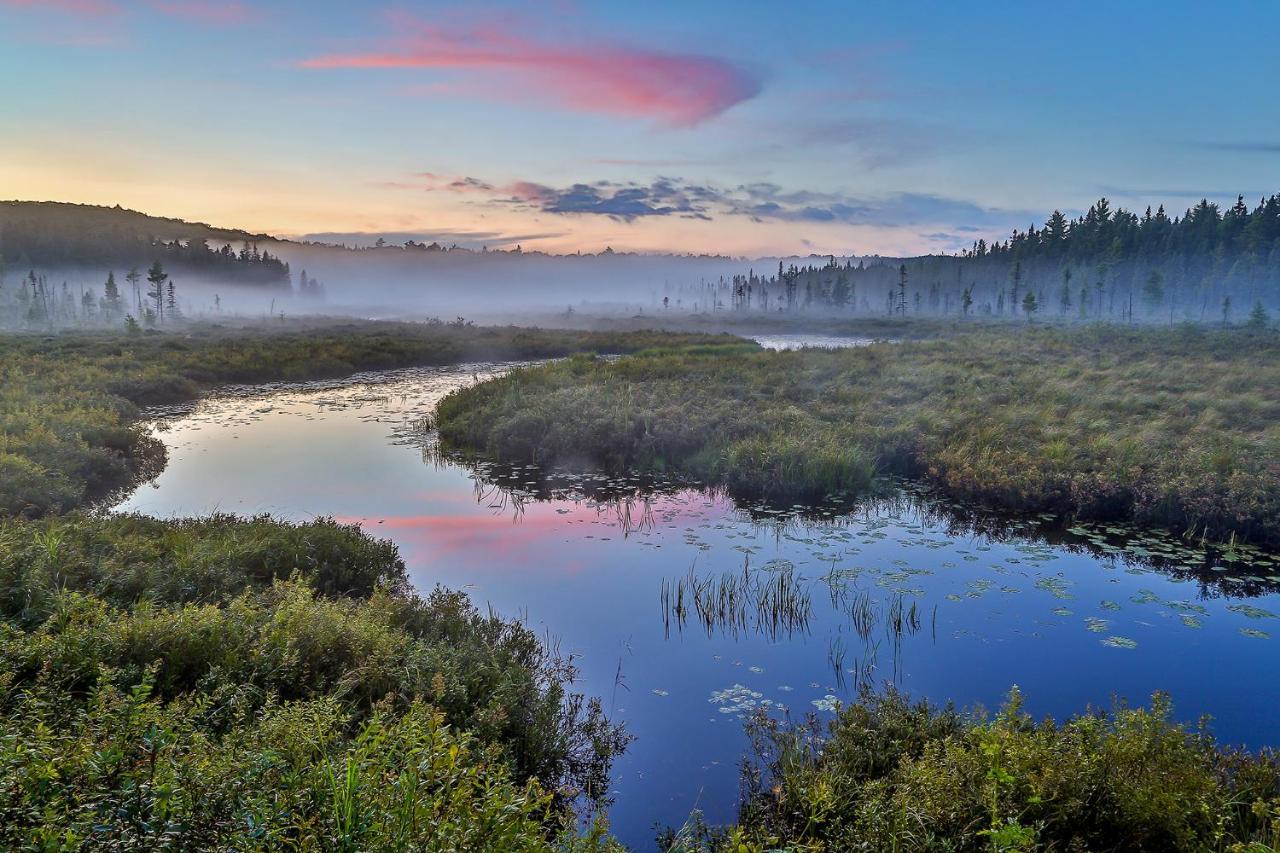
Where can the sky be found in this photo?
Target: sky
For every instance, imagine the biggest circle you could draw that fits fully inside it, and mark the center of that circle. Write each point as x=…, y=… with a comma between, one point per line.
x=723, y=126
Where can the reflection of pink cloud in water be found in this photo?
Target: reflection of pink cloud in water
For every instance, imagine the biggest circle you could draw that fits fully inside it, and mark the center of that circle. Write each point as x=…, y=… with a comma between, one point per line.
x=545, y=537
x=424, y=539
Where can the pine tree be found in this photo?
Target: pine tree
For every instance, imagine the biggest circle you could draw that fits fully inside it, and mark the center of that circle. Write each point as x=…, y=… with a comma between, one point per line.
x=157, y=277
x=171, y=302
x=1029, y=304
x=133, y=277
x=1258, y=317
x=111, y=296
x=840, y=291
x=1153, y=290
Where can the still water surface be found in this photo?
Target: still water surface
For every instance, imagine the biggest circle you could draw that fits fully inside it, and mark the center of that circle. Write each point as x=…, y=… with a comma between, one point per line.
x=902, y=590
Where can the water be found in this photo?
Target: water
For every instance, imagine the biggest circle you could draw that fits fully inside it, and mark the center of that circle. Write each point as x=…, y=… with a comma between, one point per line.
x=903, y=590
x=790, y=342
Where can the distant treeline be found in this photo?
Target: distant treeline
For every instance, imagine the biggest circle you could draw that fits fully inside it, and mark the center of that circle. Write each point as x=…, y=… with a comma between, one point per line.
x=58, y=236
x=1109, y=264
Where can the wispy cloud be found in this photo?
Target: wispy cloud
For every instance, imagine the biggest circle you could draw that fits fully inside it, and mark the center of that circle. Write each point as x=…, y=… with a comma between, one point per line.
x=205, y=11
x=761, y=202
x=463, y=237
x=678, y=89
x=223, y=13
x=1255, y=147
x=89, y=8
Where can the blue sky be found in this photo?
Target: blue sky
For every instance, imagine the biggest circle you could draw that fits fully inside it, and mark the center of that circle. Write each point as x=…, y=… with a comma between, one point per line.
x=749, y=128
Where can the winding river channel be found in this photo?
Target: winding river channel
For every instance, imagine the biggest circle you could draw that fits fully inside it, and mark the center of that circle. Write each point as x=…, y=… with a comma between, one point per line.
x=686, y=611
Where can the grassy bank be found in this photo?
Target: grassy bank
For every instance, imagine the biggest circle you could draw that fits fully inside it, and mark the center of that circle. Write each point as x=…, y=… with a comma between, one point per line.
x=229, y=683
x=69, y=404
x=889, y=774
x=1179, y=428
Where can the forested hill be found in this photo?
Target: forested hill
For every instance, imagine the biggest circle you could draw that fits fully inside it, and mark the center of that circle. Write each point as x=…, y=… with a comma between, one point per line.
x=1209, y=264
x=57, y=235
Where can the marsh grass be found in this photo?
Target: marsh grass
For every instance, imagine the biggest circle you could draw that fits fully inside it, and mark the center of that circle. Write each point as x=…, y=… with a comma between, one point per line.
x=1177, y=428
x=246, y=683
x=773, y=604
x=70, y=403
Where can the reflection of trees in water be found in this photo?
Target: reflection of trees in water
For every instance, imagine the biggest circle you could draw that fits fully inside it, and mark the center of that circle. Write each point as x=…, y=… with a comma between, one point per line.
x=866, y=642
x=629, y=502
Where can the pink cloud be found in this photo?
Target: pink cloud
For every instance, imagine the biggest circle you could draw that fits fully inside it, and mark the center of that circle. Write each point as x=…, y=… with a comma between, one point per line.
x=91, y=8
x=673, y=88
x=206, y=11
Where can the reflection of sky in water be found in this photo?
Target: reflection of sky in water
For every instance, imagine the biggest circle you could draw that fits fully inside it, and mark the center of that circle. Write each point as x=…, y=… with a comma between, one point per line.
x=788, y=342
x=1069, y=627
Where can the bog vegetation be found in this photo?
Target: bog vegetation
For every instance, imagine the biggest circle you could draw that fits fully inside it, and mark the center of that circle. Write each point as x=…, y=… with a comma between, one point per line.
x=243, y=683
x=230, y=683
x=69, y=403
x=890, y=774
x=1176, y=428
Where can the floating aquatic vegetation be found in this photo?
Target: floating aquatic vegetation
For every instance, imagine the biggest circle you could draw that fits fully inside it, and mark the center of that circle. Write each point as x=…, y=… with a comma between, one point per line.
x=1095, y=624
x=1055, y=586
x=1119, y=643
x=1144, y=596
x=658, y=691
x=829, y=703
x=1061, y=611
x=1109, y=605
x=737, y=699
x=1255, y=633
x=1191, y=621
x=1250, y=611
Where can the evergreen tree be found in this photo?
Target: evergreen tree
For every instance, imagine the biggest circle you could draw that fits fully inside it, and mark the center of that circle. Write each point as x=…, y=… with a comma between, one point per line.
x=157, y=277
x=171, y=302
x=840, y=291
x=1153, y=290
x=133, y=277
x=1029, y=304
x=1258, y=317
x=111, y=296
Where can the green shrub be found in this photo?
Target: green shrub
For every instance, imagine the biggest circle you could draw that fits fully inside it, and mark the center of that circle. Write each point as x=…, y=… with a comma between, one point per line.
x=889, y=774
